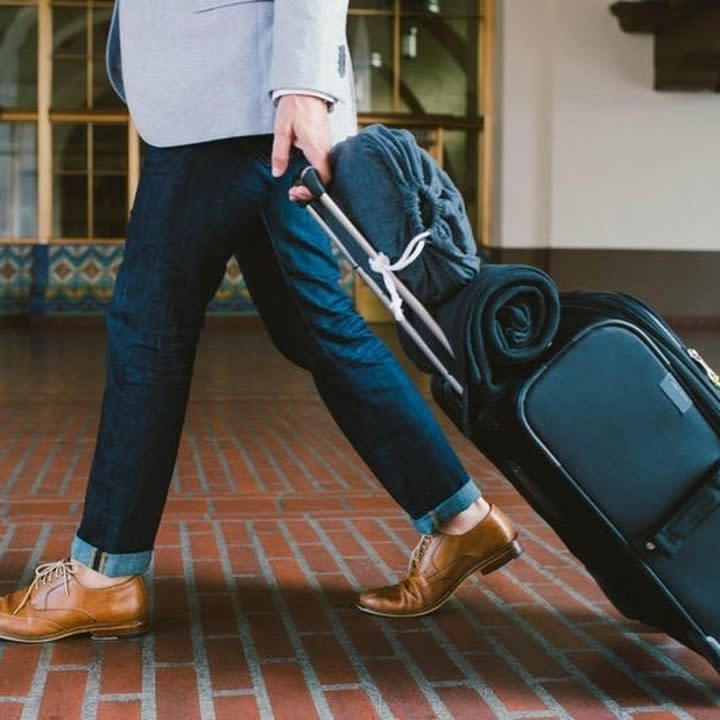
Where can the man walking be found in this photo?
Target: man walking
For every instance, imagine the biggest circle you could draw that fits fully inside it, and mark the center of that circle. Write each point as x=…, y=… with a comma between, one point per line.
x=232, y=100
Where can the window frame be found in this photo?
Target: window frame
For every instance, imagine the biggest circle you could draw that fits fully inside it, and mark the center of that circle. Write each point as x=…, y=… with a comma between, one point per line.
x=44, y=116
x=480, y=124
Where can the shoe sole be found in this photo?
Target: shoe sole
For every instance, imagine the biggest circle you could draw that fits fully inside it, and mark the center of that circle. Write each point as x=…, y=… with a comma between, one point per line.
x=111, y=632
x=486, y=566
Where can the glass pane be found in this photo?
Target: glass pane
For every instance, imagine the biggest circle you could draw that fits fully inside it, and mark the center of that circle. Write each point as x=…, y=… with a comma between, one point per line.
x=101, y=20
x=438, y=64
x=110, y=208
x=70, y=147
x=69, y=31
x=371, y=4
x=437, y=7
x=460, y=160
x=104, y=96
x=370, y=41
x=110, y=148
x=70, y=84
x=70, y=206
x=18, y=180
x=70, y=163
x=106, y=170
x=18, y=57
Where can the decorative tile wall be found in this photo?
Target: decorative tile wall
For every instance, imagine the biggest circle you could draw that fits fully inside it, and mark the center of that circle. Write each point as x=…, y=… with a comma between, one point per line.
x=79, y=279
x=16, y=265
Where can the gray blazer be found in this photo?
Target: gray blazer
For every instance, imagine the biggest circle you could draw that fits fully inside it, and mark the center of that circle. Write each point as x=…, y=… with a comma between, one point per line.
x=197, y=70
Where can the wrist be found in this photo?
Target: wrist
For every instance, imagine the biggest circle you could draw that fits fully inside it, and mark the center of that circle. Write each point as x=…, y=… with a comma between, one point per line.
x=328, y=100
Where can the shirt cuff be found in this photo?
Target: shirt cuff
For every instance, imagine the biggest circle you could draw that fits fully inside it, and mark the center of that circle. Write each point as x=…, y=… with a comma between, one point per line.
x=329, y=99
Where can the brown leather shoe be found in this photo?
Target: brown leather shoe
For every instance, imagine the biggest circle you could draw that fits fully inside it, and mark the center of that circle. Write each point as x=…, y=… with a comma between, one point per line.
x=440, y=563
x=56, y=605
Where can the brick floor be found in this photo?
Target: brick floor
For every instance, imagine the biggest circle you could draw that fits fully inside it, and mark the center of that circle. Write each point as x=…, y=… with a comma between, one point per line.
x=272, y=527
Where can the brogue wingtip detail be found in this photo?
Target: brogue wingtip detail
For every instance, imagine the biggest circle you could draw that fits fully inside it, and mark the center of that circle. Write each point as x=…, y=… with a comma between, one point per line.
x=441, y=563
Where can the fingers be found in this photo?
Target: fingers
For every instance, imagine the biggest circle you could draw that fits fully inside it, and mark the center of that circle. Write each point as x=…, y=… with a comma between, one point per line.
x=302, y=121
x=280, y=156
x=299, y=193
x=318, y=156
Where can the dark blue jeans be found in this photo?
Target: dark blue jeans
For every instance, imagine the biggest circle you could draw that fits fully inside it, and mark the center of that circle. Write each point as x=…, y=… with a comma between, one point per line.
x=196, y=206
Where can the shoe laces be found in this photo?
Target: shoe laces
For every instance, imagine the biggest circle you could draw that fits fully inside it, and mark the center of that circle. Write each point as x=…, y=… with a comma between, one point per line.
x=418, y=552
x=45, y=573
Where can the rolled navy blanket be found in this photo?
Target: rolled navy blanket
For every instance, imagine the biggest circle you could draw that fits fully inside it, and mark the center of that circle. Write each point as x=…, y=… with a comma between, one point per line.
x=393, y=191
x=498, y=325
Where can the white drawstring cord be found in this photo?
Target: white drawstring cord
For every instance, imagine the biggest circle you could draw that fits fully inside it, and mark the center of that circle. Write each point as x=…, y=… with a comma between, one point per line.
x=381, y=264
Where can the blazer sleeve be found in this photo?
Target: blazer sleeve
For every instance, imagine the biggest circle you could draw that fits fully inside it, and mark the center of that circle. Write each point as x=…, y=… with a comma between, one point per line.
x=309, y=47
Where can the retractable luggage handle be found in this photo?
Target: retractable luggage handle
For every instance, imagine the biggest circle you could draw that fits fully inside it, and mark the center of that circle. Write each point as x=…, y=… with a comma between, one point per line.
x=310, y=179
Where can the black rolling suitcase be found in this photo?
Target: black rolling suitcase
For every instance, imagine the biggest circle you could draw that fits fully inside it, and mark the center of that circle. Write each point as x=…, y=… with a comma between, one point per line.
x=612, y=434
x=615, y=440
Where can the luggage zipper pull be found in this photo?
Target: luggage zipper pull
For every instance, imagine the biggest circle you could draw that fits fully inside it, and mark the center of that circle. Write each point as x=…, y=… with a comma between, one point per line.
x=714, y=377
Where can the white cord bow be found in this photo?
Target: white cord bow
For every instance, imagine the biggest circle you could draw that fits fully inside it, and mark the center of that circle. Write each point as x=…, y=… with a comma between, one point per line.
x=381, y=264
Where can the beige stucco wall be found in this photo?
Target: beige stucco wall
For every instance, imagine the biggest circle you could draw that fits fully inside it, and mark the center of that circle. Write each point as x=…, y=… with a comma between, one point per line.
x=589, y=156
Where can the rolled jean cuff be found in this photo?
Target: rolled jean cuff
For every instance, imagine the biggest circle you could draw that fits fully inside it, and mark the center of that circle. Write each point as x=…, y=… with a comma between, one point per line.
x=456, y=503
x=110, y=564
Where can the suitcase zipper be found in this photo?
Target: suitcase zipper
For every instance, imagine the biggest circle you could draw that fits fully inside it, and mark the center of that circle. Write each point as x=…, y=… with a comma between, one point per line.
x=634, y=310
x=697, y=357
x=688, y=360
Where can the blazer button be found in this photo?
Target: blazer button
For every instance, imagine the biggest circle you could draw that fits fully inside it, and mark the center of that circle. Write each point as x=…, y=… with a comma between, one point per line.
x=342, y=60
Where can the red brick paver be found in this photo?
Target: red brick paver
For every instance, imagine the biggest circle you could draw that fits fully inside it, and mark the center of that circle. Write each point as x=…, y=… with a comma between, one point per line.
x=271, y=529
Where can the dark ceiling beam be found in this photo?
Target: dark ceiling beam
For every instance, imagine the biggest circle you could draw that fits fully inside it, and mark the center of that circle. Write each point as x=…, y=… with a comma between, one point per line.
x=686, y=35
x=655, y=16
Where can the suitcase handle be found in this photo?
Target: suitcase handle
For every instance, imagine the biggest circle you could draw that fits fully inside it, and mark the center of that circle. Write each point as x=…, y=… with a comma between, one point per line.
x=310, y=179
x=671, y=537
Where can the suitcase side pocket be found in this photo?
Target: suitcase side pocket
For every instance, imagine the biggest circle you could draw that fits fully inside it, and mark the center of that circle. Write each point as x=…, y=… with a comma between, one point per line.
x=620, y=427
x=689, y=516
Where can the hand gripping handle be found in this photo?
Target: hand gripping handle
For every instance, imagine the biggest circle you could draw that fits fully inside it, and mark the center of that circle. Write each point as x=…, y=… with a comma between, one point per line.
x=309, y=178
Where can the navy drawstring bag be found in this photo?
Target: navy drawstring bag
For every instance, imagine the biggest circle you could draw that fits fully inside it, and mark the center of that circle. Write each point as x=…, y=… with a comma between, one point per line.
x=394, y=191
